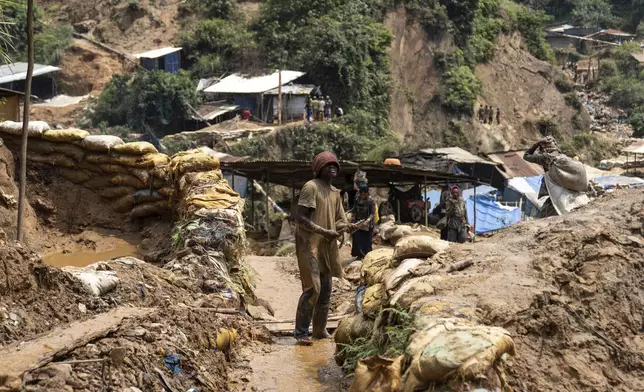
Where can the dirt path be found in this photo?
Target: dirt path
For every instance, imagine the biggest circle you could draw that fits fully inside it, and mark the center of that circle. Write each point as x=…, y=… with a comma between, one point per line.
x=286, y=367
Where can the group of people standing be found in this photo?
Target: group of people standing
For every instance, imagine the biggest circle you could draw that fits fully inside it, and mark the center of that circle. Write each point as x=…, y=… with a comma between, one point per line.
x=320, y=108
x=486, y=114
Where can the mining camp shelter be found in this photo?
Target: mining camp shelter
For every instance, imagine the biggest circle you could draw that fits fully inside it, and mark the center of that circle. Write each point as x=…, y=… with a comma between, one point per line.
x=166, y=59
x=260, y=94
x=634, y=156
x=294, y=174
x=512, y=165
x=10, y=105
x=453, y=160
x=13, y=76
x=638, y=60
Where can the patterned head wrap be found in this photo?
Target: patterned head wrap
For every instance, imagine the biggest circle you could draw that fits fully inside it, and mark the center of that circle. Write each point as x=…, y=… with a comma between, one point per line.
x=455, y=187
x=324, y=159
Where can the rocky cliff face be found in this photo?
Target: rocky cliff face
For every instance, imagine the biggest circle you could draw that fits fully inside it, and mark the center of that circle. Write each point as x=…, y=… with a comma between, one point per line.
x=522, y=86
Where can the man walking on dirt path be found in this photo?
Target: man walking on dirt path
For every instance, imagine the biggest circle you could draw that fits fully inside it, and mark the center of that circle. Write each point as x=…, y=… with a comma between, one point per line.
x=481, y=113
x=544, y=153
x=491, y=115
x=498, y=116
x=321, y=219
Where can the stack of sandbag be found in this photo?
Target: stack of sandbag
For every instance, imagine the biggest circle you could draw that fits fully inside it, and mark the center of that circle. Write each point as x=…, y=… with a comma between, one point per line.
x=133, y=176
x=210, y=211
x=390, y=232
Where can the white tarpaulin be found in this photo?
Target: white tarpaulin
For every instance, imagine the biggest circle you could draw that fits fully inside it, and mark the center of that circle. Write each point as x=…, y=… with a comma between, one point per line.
x=564, y=200
x=522, y=186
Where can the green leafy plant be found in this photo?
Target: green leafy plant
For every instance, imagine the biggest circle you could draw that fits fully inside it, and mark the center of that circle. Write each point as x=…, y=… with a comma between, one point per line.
x=157, y=99
x=637, y=121
x=573, y=100
x=460, y=89
x=209, y=9
x=564, y=85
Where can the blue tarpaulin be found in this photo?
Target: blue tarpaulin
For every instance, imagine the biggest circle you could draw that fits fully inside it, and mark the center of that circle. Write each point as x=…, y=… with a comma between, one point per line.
x=490, y=215
x=612, y=181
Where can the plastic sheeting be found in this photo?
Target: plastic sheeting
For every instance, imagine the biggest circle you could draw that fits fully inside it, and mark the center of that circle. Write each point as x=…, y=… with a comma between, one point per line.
x=528, y=187
x=491, y=215
x=615, y=180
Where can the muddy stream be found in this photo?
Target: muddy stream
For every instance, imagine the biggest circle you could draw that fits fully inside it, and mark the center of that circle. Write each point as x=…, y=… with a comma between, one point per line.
x=81, y=256
x=285, y=367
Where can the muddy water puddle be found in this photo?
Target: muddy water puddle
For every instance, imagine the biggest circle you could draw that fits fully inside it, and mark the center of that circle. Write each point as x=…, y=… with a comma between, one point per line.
x=83, y=257
x=283, y=366
x=291, y=368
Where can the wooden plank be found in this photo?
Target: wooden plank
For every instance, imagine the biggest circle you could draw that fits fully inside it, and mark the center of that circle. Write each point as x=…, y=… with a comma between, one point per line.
x=15, y=359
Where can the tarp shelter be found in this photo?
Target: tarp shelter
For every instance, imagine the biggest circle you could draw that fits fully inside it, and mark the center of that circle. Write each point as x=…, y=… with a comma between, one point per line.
x=612, y=181
x=294, y=174
x=252, y=92
x=490, y=215
x=512, y=165
x=634, y=155
x=166, y=59
x=13, y=76
x=452, y=160
x=294, y=98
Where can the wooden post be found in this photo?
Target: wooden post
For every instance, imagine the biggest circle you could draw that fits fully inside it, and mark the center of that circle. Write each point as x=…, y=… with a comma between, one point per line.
x=425, y=194
x=474, y=228
x=279, y=100
x=398, y=208
x=268, y=220
x=252, y=202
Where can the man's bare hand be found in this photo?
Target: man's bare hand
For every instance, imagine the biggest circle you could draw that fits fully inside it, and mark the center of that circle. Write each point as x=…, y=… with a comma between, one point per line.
x=330, y=234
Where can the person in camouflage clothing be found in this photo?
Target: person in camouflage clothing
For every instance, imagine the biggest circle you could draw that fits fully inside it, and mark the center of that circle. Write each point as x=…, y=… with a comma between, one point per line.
x=457, y=223
x=544, y=153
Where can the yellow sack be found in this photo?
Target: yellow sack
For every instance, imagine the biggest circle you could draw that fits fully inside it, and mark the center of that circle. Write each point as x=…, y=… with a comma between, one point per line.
x=115, y=192
x=110, y=168
x=99, y=183
x=378, y=374
x=419, y=247
x=124, y=203
x=59, y=160
x=166, y=191
x=184, y=163
x=98, y=159
x=142, y=175
x=351, y=328
x=150, y=209
x=74, y=175
x=414, y=289
x=136, y=148
x=127, y=180
x=376, y=218
x=89, y=167
x=373, y=300
x=65, y=135
x=198, y=179
x=45, y=147
x=376, y=265
x=103, y=143
x=213, y=197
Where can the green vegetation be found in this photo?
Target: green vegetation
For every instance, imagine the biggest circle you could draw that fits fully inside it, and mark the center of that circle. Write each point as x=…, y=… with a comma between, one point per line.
x=573, y=100
x=390, y=336
x=591, y=147
x=460, y=89
x=216, y=46
x=51, y=40
x=209, y=9
x=158, y=100
x=530, y=23
x=357, y=135
x=564, y=85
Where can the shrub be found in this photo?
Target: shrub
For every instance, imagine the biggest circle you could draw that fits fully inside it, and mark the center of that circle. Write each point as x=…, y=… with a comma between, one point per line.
x=217, y=46
x=564, y=85
x=209, y=9
x=573, y=100
x=636, y=120
x=158, y=100
x=608, y=68
x=50, y=45
x=547, y=127
x=530, y=23
x=134, y=5
x=460, y=89
x=625, y=92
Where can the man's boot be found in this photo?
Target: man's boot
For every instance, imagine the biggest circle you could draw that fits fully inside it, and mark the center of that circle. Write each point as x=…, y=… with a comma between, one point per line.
x=319, y=322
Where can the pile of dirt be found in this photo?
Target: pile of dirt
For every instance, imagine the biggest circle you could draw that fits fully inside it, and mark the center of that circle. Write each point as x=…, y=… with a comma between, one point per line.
x=86, y=69
x=25, y=281
x=568, y=290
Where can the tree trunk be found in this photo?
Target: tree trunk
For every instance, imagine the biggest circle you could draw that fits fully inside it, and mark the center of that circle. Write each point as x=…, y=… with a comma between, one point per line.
x=22, y=199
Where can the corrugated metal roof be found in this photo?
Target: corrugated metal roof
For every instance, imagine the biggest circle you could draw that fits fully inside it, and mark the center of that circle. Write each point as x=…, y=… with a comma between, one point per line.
x=223, y=109
x=295, y=89
x=156, y=53
x=617, y=33
x=513, y=164
x=238, y=84
x=18, y=71
x=635, y=148
x=456, y=154
x=639, y=57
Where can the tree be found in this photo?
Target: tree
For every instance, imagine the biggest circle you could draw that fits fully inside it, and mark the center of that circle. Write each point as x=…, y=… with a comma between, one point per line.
x=22, y=199
x=593, y=13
